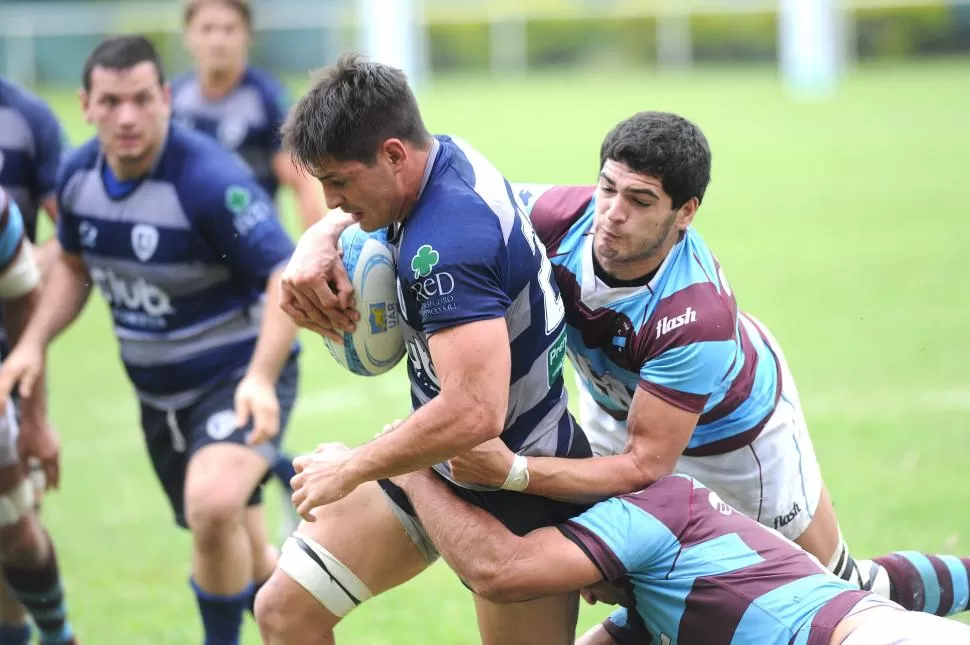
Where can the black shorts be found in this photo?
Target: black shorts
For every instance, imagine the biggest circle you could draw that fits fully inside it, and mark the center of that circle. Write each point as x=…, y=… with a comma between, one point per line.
x=173, y=436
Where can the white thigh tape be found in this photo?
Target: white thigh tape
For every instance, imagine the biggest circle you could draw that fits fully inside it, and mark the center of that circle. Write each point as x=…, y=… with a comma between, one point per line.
x=326, y=578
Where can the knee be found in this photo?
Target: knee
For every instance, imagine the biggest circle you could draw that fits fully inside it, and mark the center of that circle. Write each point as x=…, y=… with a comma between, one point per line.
x=277, y=613
x=211, y=514
x=24, y=543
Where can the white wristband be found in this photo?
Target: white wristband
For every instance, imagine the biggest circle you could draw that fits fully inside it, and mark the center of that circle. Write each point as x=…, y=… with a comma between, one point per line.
x=518, y=477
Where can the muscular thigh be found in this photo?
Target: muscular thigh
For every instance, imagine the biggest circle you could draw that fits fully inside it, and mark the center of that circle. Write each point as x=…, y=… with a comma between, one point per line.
x=550, y=621
x=359, y=535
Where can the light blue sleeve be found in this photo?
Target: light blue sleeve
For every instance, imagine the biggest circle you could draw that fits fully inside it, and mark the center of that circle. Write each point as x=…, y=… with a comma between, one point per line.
x=12, y=234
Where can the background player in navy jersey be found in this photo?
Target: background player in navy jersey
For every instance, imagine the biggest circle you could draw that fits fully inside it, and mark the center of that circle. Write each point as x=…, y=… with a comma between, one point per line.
x=483, y=324
x=185, y=246
x=30, y=568
x=239, y=105
x=243, y=108
x=31, y=148
x=687, y=567
x=673, y=377
x=32, y=144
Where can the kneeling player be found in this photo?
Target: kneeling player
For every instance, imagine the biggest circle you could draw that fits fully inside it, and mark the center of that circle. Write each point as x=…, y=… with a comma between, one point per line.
x=29, y=564
x=687, y=567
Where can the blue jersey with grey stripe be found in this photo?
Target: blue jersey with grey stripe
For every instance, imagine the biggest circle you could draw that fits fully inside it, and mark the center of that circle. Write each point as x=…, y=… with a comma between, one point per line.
x=182, y=257
x=247, y=120
x=31, y=145
x=467, y=253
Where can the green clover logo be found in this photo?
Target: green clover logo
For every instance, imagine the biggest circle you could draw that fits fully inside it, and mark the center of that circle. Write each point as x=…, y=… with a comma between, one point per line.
x=237, y=198
x=423, y=261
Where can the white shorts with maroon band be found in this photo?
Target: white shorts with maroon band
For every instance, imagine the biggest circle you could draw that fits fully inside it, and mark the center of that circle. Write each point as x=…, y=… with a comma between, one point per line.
x=901, y=627
x=775, y=479
x=9, y=430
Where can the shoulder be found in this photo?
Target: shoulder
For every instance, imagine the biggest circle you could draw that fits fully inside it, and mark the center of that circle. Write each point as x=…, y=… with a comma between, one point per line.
x=202, y=171
x=80, y=159
x=692, y=305
x=555, y=209
x=270, y=89
x=36, y=114
x=183, y=81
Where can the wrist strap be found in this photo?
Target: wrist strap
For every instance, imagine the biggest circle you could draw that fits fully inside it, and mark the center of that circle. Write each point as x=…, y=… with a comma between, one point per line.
x=518, y=477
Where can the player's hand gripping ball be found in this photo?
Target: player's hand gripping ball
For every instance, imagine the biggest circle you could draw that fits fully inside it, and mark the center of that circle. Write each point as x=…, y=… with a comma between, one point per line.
x=376, y=345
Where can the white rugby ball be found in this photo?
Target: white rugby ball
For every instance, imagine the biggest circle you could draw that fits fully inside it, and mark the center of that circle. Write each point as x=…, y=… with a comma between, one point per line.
x=377, y=344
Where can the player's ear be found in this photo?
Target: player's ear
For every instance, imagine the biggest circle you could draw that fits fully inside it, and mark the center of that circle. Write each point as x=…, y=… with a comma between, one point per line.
x=686, y=213
x=395, y=152
x=85, y=100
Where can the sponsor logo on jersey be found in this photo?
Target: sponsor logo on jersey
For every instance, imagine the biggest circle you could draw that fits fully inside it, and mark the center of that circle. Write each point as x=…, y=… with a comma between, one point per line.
x=784, y=520
x=718, y=504
x=424, y=261
x=666, y=325
x=238, y=198
x=556, y=355
x=146, y=304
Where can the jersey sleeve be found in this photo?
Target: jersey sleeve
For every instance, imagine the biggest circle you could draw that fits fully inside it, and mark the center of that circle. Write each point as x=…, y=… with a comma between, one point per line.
x=68, y=234
x=552, y=209
x=50, y=145
x=278, y=104
x=455, y=274
x=693, y=345
x=239, y=221
x=613, y=536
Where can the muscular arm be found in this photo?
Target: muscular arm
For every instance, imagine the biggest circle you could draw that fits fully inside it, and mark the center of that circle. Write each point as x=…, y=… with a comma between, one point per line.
x=496, y=564
x=473, y=364
x=276, y=335
x=309, y=195
x=17, y=312
x=659, y=433
x=62, y=299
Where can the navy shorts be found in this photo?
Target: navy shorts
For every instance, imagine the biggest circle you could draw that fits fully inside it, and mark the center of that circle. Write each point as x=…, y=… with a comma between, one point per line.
x=173, y=436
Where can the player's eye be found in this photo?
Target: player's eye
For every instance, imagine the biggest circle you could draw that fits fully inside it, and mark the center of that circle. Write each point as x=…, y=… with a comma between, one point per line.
x=641, y=203
x=609, y=190
x=109, y=101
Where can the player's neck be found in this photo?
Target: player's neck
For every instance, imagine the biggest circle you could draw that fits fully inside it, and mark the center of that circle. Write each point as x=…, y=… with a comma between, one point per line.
x=216, y=84
x=640, y=270
x=413, y=177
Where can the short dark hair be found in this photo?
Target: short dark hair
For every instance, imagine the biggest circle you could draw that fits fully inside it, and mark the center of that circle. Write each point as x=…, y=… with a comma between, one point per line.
x=351, y=109
x=122, y=52
x=242, y=7
x=665, y=146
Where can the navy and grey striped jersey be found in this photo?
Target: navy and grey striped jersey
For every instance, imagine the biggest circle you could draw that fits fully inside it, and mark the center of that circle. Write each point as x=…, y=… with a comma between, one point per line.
x=246, y=121
x=182, y=257
x=31, y=146
x=467, y=253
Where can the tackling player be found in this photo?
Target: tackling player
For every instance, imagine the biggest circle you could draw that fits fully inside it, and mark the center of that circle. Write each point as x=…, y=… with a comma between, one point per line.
x=673, y=378
x=483, y=324
x=184, y=246
x=687, y=567
x=237, y=104
x=29, y=561
x=31, y=148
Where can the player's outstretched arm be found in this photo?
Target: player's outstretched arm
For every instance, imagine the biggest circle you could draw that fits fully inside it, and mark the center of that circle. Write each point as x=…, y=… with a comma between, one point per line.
x=659, y=433
x=62, y=300
x=496, y=564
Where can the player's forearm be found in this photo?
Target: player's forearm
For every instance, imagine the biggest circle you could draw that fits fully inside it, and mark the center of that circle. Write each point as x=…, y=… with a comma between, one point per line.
x=276, y=335
x=472, y=541
x=62, y=300
x=17, y=313
x=589, y=480
x=436, y=432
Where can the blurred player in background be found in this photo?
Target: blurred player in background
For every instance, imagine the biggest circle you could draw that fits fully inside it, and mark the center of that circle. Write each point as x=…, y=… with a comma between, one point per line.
x=240, y=106
x=686, y=567
x=185, y=247
x=31, y=149
x=483, y=325
x=26, y=550
x=243, y=108
x=673, y=377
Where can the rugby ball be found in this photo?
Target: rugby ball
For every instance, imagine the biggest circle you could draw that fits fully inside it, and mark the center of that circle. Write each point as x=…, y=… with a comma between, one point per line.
x=377, y=344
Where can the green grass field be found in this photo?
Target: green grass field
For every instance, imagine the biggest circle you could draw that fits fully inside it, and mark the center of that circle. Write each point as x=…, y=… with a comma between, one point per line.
x=842, y=225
